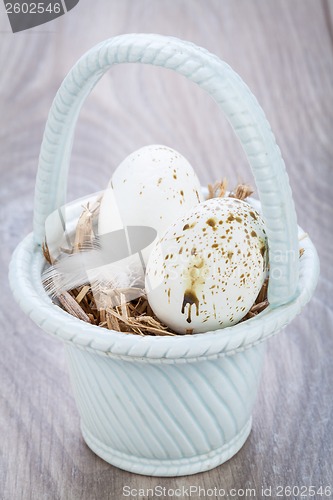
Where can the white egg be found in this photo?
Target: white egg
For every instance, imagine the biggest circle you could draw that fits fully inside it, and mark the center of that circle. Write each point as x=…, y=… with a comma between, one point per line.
x=151, y=187
x=208, y=268
x=109, y=218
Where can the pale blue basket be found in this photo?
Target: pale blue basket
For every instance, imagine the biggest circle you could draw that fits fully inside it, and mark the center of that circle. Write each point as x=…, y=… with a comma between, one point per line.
x=157, y=405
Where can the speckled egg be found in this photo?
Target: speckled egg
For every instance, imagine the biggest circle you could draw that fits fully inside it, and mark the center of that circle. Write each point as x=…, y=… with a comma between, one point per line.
x=208, y=268
x=151, y=187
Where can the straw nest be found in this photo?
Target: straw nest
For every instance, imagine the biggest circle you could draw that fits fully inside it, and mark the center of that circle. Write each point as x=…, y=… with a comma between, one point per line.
x=129, y=316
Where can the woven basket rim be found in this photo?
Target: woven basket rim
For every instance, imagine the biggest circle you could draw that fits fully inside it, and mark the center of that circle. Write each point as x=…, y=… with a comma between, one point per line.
x=25, y=282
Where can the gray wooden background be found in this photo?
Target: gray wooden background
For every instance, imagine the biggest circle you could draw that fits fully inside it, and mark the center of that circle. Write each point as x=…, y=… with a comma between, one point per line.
x=284, y=51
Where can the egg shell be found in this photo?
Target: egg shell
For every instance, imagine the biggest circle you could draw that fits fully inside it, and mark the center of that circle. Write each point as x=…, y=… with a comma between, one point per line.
x=152, y=187
x=109, y=218
x=208, y=268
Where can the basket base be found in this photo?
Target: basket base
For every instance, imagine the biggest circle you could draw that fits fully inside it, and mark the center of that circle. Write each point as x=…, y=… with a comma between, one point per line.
x=177, y=467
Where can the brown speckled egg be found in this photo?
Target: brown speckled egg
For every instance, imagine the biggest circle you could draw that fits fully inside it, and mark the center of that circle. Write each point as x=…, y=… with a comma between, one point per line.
x=151, y=187
x=208, y=268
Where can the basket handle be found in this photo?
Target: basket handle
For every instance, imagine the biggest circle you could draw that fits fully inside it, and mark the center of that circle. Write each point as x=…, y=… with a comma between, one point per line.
x=240, y=107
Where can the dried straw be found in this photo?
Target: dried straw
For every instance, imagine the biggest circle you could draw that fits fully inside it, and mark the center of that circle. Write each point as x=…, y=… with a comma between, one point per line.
x=131, y=316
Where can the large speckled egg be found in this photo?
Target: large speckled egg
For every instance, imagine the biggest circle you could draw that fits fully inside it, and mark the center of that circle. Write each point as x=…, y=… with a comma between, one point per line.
x=151, y=187
x=208, y=268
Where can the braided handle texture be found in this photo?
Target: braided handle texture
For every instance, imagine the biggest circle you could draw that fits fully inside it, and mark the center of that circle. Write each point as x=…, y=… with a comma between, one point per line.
x=240, y=108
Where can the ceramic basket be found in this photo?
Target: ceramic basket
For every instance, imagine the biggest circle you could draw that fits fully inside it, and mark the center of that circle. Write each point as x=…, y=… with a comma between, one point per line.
x=167, y=406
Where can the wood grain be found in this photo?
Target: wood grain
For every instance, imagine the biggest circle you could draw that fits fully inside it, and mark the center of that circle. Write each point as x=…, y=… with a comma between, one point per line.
x=284, y=51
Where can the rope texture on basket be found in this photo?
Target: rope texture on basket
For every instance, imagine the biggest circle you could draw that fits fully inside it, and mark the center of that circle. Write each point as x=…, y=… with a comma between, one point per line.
x=236, y=101
x=290, y=287
x=24, y=276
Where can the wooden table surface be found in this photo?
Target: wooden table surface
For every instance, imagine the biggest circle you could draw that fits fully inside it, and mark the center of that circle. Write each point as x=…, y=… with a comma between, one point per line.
x=284, y=51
